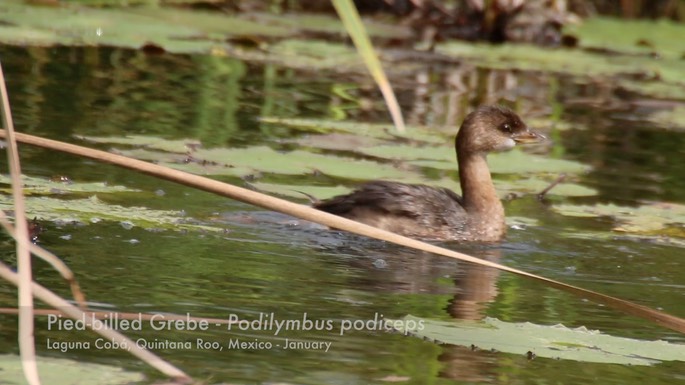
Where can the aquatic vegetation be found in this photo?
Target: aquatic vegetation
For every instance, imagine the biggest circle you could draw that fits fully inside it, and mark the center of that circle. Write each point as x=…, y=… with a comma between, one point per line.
x=61, y=371
x=362, y=129
x=175, y=30
x=214, y=97
x=642, y=56
x=556, y=342
x=638, y=37
x=157, y=143
x=93, y=210
x=650, y=218
x=396, y=161
x=43, y=186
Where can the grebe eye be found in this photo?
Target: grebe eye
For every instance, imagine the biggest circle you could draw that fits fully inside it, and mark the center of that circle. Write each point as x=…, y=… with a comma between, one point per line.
x=506, y=127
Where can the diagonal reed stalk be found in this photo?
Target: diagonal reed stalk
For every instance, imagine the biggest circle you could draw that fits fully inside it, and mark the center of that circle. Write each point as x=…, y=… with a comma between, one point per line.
x=120, y=315
x=72, y=311
x=53, y=260
x=23, y=278
x=27, y=348
x=333, y=221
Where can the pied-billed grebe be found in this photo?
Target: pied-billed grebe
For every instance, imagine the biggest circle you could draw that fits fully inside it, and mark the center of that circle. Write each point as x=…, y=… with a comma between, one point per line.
x=426, y=212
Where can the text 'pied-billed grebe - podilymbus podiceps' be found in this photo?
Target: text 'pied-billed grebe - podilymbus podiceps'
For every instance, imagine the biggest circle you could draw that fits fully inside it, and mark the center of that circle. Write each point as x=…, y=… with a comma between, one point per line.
x=426, y=212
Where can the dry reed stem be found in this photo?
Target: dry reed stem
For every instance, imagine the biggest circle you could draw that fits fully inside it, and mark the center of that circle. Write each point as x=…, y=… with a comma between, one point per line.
x=53, y=260
x=23, y=280
x=333, y=221
x=127, y=316
x=72, y=311
x=27, y=348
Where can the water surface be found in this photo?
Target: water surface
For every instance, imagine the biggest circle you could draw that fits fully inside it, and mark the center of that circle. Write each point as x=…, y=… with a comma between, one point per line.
x=267, y=263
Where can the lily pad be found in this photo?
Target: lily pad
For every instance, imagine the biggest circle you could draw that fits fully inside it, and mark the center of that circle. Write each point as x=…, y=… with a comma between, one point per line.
x=530, y=185
x=93, y=210
x=652, y=218
x=559, y=125
x=43, y=186
x=373, y=130
x=184, y=162
x=321, y=23
x=258, y=159
x=504, y=188
x=556, y=342
x=532, y=58
x=60, y=371
x=177, y=30
x=662, y=37
x=169, y=145
x=316, y=55
x=511, y=162
x=337, y=141
x=74, y=25
x=654, y=88
x=610, y=236
x=265, y=159
x=431, y=155
x=566, y=60
x=209, y=24
x=412, y=153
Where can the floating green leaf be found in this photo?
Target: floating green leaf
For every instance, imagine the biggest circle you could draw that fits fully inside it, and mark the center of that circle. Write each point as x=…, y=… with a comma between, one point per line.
x=530, y=185
x=557, y=342
x=525, y=57
x=560, y=125
x=504, y=188
x=93, y=210
x=185, y=162
x=207, y=24
x=654, y=88
x=380, y=131
x=169, y=145
x=511, y=162
x=431, y=155
x=315, y=55
x=183, y=31
x=262, y=159
x=326, y=126
x=73, y=25
x=655, y=218
x=441, y=156
x=329, y=24
x=610, y=236
x=571, y=61
x=265, y=159
x=60, y=371
x=258, y=159
x=337, y=141
x=43, y=186
x=662, y=37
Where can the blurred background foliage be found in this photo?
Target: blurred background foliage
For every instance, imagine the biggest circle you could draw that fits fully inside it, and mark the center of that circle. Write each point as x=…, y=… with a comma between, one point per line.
x=672, y=9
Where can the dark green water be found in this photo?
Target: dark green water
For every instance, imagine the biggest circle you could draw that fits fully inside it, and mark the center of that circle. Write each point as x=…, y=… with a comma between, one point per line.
x=270, y=264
